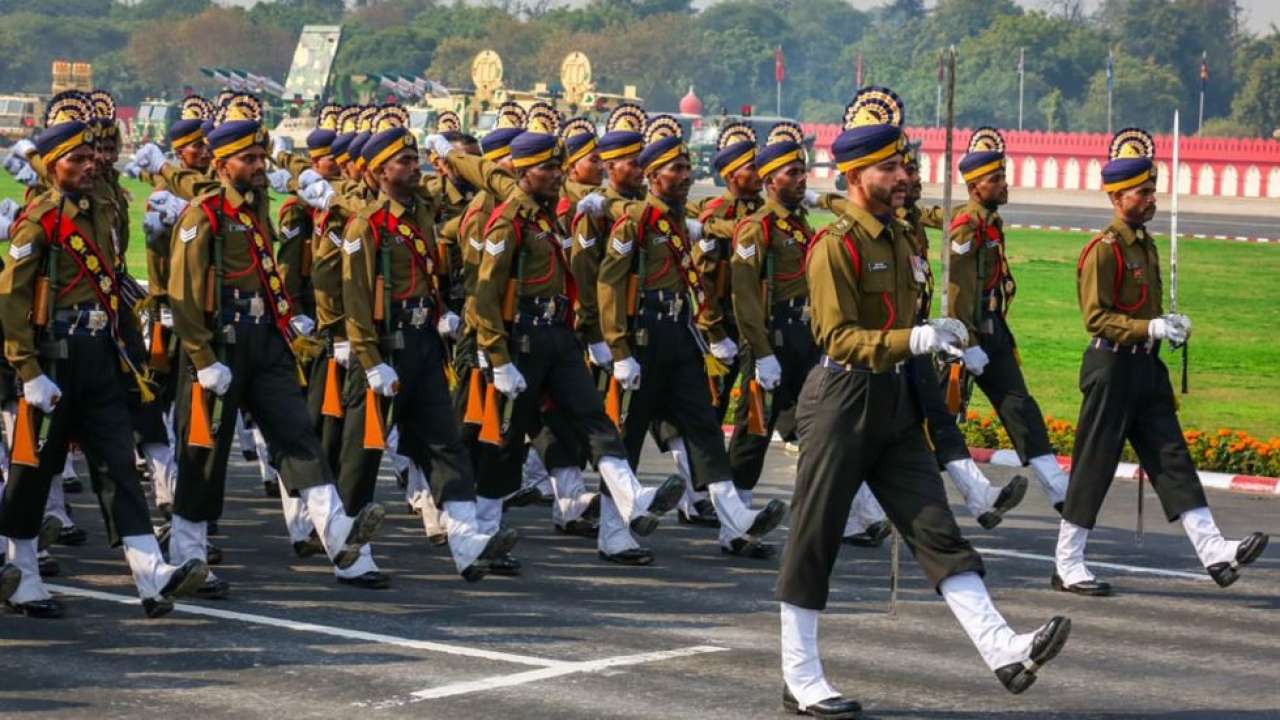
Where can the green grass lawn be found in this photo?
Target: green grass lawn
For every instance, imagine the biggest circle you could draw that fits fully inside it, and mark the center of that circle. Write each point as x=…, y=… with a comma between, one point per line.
x=1227, y=288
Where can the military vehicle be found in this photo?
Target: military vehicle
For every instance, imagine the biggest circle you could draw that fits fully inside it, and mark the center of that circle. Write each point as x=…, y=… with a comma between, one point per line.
x=308, y=85
x=702, y=142
x=19, y=116
x=151, y=124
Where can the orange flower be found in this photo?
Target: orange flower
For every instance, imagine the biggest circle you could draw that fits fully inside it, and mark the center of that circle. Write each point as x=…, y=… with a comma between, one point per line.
x=1223, y=432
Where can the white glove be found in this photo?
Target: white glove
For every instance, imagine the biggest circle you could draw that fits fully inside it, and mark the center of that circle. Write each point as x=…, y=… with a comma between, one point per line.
x=482, y=360
x=811, y=198
x=166, y=317
x=302, y=324
x=151, y=224
x=216, y=378
x=169, y=206
x=383, y=380
x=308, y=177
x=627, y=372
x=927, y=339
x=1181, y=321
x=1168, y=327
x=23, y=149
x=975, y=360
x=724, y=350
x=768, y=372
x=9, y=208
x=27, y=176
x=132, y=170
x=437, y=144
x=342, y=353
x=278, y=145
x=952, y=327
x=149, y=157
x=592, y=205
x=14, y=162
x=508, y=380
x=600, y=355
x=694, y=229
x=42, y=392
x=448, y=325
x=318, y=194
x=279, y=180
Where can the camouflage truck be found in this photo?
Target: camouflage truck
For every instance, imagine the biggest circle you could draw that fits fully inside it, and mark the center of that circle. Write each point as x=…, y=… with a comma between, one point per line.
x=152, y=121
x=308, y=85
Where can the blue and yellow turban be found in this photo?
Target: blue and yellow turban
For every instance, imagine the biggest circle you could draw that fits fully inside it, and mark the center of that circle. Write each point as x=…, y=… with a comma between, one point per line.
x=663, y=142
x=624, y=132
x=237, y=126
x=784, y=146
x=579, y=138
x=985, y=154
x=1130, y=160
x=872, y=129
x=67, y=122
x=735, y=147
x=389, y=136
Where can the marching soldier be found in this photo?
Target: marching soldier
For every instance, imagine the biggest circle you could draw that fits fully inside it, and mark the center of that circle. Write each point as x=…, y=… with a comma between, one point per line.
x=980, y=291
x=771, y=303
x=395, y=321
x=525, y=294
x=1127, y=394
x=859, y=422
x=652, y=299
x=64, y=304
x=245, y=344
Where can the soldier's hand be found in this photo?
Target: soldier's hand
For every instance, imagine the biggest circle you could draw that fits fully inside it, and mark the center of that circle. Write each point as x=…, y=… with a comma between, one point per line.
x=693, y=228
x=342, y=353
x=303, y=325
x=131, y=170
x=1182, y=321
x=724, y=350
x=215, y=378
x=167, y=205
x=600, y=355
x=307, y=178
x=150, y=158
x=953, y=327
x=926, y=339
x=508, y=380
x=627, y=372
x=27, y=176
x=42, y=392
x=279, y=180
x=768, y=372
x=383, y=380
x=438, y=144
x=23, y=149
x=8, y=211
x=449, y=325
x=592, y=205
x=152, y=225
x=975, y=360
x=14, y=162
x=1166, y=327
x=318, y=195
x=811, y=198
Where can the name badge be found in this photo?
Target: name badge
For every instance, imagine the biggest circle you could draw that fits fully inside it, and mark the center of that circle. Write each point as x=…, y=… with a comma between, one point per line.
x=877, y=266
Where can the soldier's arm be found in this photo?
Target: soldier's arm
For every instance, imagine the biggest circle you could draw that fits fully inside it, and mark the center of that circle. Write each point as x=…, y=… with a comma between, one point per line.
x=157, y=272
x=481, y=173
x=962, y=291
x=931, y=217
x=611, y=286
x=1098, y=300
x=295, y=163
x=749, y=248
x=833, y=296
x=584, y=263
x=294, y=235
x=359, y=262
x=17, y=296
x=497, y=262
x=326, y=274
x=184, y=182
x=189, y=258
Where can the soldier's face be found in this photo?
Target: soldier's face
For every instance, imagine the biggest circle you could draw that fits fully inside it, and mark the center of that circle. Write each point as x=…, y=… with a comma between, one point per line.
x=884, y=185
x=589, y=170
x=326, y=166
x=402, y=172
x=542, y=181
x=672, y=181
x=196, y=155
x=992, y=189
x=745, y=181
x=247, y=168
x=109, y=151
x=74, y=171
x=1137, y=205
x=788, y=183
x=626, y=175
x=914, y=188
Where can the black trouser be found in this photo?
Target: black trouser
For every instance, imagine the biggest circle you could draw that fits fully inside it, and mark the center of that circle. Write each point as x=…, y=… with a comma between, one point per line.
x=1004, y=387
x=796, y=354
x=1127, y=396
x=328, y=428
x=557, y=379
x=421, y=410
x=94, y=413
x=944, y=434
x=674, y=385
x=857, y=426
x=264, y=381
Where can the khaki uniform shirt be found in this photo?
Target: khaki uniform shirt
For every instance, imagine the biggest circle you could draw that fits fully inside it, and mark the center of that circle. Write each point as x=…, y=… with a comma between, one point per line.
x=1118, y=284
x=981, y=285
x=771, y=238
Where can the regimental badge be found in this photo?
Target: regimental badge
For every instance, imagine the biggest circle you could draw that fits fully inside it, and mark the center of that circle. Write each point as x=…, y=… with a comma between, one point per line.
x=91, y=262
x=275, y=283
x=282, y=306
x=664, y=227
x=77, y=243
x=783, y=225
x=267, y=264
x=420, y=246
x=105, y=284
x=405, y=231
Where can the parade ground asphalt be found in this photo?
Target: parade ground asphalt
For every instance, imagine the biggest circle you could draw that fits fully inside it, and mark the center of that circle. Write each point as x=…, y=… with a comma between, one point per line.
x=693, y=636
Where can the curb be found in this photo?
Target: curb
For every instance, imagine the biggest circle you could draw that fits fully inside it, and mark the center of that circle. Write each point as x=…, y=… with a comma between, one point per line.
x=1198, y=236
x=1250, y=484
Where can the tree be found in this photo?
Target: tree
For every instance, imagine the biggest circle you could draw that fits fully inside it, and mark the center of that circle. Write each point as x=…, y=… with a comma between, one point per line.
x=1145, y=96
x=1257, y=106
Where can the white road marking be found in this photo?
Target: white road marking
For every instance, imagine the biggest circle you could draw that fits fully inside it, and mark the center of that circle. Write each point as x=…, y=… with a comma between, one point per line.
x=325, y=630
x=1135, y=569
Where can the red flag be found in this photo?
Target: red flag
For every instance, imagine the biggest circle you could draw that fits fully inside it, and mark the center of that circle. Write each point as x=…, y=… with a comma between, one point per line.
x=779, y=72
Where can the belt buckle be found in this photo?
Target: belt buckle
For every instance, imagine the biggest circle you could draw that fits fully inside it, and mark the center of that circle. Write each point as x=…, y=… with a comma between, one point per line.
x=805, y=314
x=418, y=316
x=677, y=306
x=549, y=309
x=97, y=320
x=257, y=308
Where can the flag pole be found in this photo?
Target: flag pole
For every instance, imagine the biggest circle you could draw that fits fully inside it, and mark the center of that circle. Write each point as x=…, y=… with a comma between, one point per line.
x=1022, y=76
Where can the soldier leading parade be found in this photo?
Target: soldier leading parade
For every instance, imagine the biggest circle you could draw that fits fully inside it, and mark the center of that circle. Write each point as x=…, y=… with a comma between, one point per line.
x=551, y=296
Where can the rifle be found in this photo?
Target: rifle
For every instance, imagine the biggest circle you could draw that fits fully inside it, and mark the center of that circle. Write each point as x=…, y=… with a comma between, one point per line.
x=30, y=423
